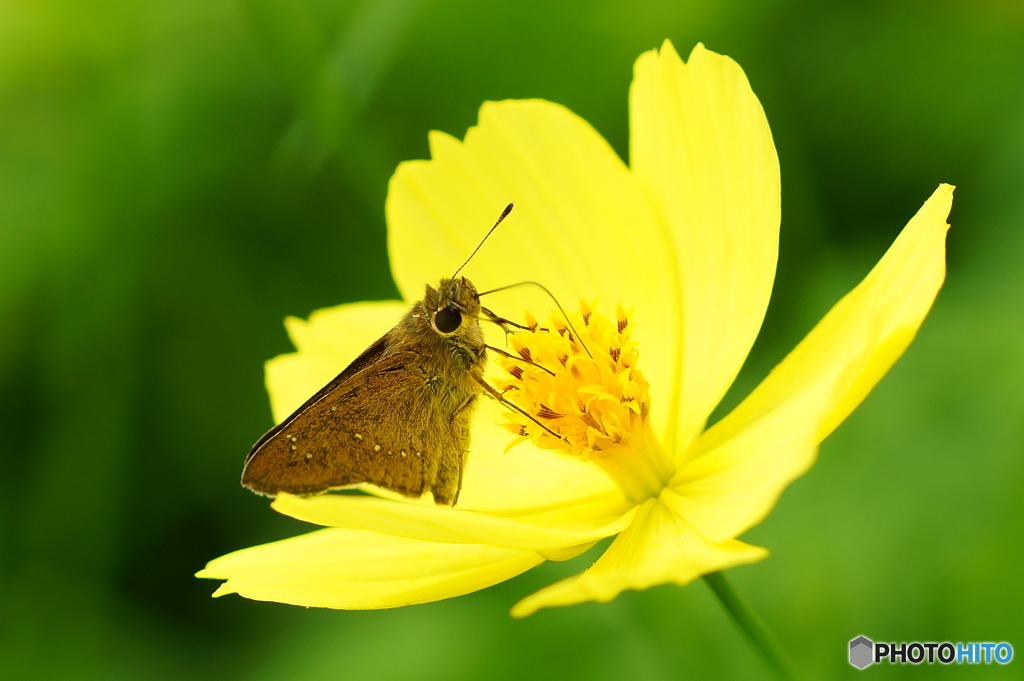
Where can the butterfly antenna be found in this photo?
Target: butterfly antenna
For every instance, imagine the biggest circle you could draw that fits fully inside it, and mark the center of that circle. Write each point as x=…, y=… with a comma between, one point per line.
x=550, y=295
x=504, y=214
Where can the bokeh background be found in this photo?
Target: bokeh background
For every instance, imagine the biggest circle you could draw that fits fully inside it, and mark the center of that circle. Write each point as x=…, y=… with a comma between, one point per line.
x=176, y=177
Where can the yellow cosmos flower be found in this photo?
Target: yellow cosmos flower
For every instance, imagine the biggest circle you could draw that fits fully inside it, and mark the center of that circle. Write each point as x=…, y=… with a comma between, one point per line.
x=684, y=241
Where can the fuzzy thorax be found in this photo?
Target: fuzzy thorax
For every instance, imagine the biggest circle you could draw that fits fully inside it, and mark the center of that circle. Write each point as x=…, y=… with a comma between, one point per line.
x=588, y=392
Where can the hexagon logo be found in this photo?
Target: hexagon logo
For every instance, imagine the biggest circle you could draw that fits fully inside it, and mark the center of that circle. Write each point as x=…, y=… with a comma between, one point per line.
x=861, y=652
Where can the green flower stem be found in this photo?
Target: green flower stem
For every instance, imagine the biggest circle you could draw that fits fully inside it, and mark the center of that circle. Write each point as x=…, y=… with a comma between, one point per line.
x=751, y=625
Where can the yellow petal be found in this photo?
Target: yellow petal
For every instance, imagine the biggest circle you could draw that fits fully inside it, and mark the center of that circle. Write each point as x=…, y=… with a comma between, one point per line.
x=862, y=335
x=581, y=225
x=658, y=548
x=525, y=478
x=732, y=487
x=357, y=570
x=326, y=343
x=700, y=143
x=735, y=471
x=896, y=297
x=571, y=525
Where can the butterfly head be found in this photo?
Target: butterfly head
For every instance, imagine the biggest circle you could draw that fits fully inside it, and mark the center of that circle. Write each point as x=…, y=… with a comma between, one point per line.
x=453, y=306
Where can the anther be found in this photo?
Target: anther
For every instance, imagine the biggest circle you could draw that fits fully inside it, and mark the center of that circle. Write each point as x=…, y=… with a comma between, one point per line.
x=546, y=412
x=586, y=312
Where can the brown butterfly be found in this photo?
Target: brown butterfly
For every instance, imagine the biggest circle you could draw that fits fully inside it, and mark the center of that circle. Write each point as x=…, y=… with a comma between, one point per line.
x=398, y=416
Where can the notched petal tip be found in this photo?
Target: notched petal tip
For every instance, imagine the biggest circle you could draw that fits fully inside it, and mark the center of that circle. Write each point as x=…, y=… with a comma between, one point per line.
x=441, y=144
x=668, y=51
x=940, y=203
x=223, y=590
x=669, y=56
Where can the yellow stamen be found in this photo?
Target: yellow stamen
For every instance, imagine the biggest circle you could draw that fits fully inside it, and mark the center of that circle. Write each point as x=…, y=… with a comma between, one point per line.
x=595, y=403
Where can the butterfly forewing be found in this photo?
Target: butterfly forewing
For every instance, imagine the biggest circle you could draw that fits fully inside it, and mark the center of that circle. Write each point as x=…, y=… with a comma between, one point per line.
x=341, y=440
x=367, y=358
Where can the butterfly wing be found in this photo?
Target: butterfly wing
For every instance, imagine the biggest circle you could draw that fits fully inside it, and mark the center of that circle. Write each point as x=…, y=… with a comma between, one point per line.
x=365, y=359
x=380, y=424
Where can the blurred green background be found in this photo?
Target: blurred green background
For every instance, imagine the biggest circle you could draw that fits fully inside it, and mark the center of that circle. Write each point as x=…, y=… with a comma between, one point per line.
x=176, y=177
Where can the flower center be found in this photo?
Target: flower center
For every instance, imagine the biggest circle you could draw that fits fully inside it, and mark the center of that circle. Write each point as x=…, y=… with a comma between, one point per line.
x=583, y=395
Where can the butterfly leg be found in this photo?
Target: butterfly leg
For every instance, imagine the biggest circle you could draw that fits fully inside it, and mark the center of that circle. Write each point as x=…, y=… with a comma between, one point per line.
x=505, y=324
x=447, y=480
x=517, y=358
x=496, y=394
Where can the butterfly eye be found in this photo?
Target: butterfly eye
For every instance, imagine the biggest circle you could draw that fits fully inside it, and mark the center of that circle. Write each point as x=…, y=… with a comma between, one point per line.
x=447, y=319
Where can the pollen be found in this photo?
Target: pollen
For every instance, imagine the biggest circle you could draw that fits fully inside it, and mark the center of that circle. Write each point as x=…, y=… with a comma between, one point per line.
x=579, y=383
